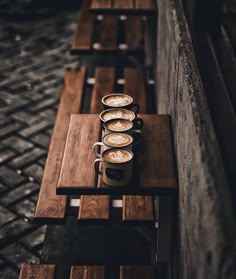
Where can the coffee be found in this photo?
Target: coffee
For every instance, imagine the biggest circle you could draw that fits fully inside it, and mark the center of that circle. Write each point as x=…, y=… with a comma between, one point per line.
x=119, y=125
x=117, y=113
x=118, y=140
x=117, y=100
x=117, y=156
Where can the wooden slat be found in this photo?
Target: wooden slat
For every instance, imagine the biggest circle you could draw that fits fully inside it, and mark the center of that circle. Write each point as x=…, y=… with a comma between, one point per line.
x=101, y=4
x=94, y=208
x=157, y=163
x=77, y=167
x=30, y=271
x=104, y=84
x=84, y=32
x=134, y=33
x=50, y=205
x=123, y=4
x=135, y=87
x=87, y=272
x=137, y=272
x=145, y=5
x=138, y=7
x=137, y=208
x=108, y=34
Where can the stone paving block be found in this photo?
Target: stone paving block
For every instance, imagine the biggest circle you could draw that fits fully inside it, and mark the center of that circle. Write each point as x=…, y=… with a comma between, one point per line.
x=8, y=273
x=35, y=171
x=34, y=239
x=17, y=143
x=3, y=188
x=13, y=229
x=43, y=104
x=6, y=216
x=2, y=263
x=42, y=161
x=26, y=117
x=27, y=158
x=25, y=208
x=10, y=128
x=18, y=255
x=35, y=128
x=34, y=198
x=22, y=192
x=42, y=139
x=9, y=177
x=6, y=154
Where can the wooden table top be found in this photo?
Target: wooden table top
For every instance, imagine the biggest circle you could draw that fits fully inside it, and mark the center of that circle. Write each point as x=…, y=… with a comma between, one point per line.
x=155, y=174
x=123, y=7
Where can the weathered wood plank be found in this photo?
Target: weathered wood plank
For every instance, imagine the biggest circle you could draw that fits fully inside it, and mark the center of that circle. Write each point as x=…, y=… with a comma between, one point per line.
x=29, y=271
x=108, y=34
x=77, y=166
x=137, y=272
x=134, y=33
x=157, y=161
x=145, y=5
x=101, y=4
x=87, y=272
x=82, y=40
x=49, y=204
x=104, y=84
x=138, y=208
x=94, y=207
x=135, y=87
x=123, y=4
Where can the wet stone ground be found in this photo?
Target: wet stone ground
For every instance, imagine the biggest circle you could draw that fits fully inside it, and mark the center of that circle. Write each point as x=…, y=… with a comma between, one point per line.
x=34, y=50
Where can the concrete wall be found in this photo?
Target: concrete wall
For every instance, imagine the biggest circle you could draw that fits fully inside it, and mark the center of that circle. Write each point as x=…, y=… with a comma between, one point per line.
x=206, y=228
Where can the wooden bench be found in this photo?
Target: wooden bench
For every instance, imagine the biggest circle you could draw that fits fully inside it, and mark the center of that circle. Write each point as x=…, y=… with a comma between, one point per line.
x=29, y=271
x=107, y=34
x=146, y=7
x=52, y=207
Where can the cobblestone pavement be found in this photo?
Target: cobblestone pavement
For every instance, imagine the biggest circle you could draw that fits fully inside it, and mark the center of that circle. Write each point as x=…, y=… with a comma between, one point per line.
x=33, y=52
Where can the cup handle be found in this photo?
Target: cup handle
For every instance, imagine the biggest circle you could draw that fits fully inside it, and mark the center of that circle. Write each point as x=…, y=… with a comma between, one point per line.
x=136, y=108
x=139, y=122
x=95, y=149
x=96, y=166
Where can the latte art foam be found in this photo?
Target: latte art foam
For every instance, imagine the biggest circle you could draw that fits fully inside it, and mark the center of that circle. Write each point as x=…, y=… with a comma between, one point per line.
x=118, y=156
x=119, y=125
x=113, y=114
x=118, y=101
x=118, y=140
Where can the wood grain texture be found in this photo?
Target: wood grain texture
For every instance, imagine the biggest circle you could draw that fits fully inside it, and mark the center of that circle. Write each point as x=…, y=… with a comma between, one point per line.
x=108, y=34
x=123, y=4
x=101, y=4
x=77, y=169
x=134, y=7
x=137, y=272
x=94, y=207
x=33, y=271
x=137, y=208
x=87, y=272
x=135, y=87
x=50, y=205
x=104, y=84
x=134, y=33
x=145, y=5
x=157, y=168
x=82, y=40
